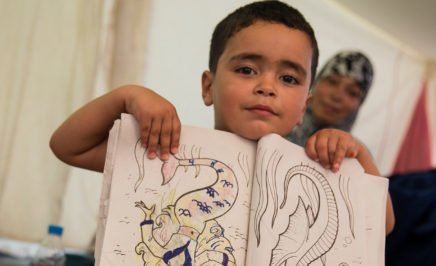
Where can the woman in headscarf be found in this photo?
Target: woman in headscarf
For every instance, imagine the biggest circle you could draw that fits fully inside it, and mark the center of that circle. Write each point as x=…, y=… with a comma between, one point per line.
x=337, y=94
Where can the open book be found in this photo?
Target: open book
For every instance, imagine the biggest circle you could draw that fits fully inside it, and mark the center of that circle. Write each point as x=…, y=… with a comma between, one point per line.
x=225, y=200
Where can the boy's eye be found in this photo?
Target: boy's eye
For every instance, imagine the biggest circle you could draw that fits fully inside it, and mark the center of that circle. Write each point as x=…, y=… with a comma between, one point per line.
x=245, y=71
x=289, y=79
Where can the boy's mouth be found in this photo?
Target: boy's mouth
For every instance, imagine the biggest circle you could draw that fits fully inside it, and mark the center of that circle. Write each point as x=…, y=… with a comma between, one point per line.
x=262, y=110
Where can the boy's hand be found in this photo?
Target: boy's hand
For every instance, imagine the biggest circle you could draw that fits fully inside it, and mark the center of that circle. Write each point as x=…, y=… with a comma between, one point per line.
x=330, y=146
x=159, y=124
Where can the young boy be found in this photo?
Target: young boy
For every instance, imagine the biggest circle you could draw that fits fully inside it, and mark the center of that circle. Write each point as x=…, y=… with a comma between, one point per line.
x=262, y=60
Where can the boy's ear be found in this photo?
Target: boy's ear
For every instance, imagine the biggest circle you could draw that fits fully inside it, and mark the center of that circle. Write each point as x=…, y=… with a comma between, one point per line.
x=206, y=85
x=308, y=99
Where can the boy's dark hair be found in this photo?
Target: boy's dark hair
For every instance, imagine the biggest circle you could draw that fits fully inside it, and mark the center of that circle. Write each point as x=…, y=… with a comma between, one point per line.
x=245, y=16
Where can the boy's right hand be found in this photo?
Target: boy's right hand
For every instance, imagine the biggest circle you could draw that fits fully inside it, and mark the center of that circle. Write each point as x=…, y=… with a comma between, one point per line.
x=81, y=140
x=158, y=121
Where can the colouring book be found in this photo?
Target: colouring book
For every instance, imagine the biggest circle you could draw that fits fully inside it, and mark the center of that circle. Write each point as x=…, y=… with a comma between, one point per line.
x=225, y=200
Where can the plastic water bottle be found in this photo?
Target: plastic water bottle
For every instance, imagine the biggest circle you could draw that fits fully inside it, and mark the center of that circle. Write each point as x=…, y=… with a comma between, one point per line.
x=51, y=251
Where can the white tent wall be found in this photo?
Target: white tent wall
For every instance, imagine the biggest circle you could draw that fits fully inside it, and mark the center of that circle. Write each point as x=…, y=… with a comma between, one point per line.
x=178, y=52
x=48, y=52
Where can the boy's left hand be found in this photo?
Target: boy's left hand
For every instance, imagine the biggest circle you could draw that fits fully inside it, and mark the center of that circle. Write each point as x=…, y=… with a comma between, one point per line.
x=329, y=147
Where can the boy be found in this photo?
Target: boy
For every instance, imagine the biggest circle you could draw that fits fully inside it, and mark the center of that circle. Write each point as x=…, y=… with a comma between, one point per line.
x=263, y=57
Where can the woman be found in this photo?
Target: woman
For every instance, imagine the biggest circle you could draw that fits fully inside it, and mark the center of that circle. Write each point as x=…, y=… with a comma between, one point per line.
x=338, y=92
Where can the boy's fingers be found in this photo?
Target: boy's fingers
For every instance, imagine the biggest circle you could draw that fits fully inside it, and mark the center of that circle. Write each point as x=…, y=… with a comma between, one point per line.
x=310, y=148
x=175, y=135
x=352, y=151
x=329, y=147
x=341, y=150
x=153, y=138
x=165, y=139
x=321, y=147
x=145, y=132
x=332, y=146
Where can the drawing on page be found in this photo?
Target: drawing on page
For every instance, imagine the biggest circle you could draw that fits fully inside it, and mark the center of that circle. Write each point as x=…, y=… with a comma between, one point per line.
x=296, y=244
x=140, y=155
x=297, y=235
x=272, y=164
x=186, y=231
x=344, y=188
x=261, y=182
x=244, y=166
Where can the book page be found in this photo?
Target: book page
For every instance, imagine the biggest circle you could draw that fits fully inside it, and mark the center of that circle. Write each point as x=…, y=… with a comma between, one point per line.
x=105, y=189
x=303, y=214
x=190, y=210
x=376, y=212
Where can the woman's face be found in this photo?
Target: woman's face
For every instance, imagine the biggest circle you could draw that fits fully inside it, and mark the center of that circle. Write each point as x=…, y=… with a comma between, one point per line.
x=335, y=98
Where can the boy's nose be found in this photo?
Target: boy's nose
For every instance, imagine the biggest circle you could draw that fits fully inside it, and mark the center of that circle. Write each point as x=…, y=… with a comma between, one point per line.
x=265, y=91
x=265, y=88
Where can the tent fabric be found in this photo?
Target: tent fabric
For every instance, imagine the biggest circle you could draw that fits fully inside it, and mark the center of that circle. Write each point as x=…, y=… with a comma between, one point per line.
x=415, y=152
x=47, y=49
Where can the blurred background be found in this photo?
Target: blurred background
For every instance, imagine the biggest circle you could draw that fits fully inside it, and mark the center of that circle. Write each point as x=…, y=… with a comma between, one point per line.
x=57, y=55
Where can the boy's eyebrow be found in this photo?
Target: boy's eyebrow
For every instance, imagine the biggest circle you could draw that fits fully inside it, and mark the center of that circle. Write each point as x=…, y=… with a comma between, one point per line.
x=257, y=57
x=296, y=66
x=246, y=56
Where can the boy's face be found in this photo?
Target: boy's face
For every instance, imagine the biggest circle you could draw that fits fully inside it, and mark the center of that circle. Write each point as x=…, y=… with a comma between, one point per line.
x=262, y=80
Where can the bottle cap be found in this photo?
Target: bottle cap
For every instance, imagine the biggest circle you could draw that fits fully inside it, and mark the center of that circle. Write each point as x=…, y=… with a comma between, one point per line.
x=54, y=229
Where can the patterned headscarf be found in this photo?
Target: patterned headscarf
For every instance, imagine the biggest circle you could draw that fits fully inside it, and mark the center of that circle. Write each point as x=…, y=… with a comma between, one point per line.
x=346, y=63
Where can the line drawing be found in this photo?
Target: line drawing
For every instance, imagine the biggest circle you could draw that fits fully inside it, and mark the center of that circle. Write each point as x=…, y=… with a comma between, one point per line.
x=344, y=188
x=140, y=154
x=263, y=195
x=314, y=183
x=244, y=166
x=187, y=232
x=272, y=166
